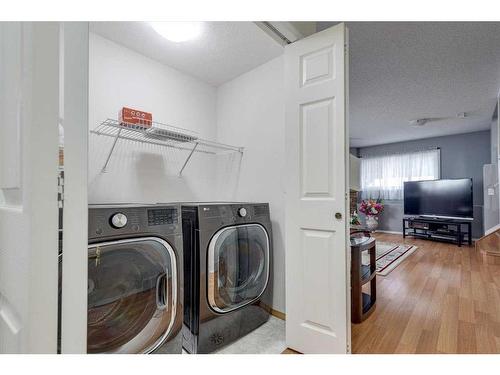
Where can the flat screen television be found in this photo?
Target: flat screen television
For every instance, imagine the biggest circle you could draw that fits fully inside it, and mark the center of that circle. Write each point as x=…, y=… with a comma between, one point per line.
x=449, y=198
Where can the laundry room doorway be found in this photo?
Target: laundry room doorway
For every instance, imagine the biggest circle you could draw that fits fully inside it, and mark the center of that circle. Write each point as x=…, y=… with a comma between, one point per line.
x=210, y=119
x=139, y=117
x=211, y=130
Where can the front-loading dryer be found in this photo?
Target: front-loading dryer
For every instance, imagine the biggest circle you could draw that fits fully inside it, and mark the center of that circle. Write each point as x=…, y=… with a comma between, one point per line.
x=227, y=272
x=135, y=279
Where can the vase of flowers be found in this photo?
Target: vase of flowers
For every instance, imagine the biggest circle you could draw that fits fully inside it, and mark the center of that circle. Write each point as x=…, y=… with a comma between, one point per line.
x=371, y=209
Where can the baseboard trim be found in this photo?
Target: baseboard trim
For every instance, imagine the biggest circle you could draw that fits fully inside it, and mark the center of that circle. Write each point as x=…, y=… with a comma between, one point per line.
x=278, y=314
x=273, y=312
x=388, y=231
x=492, y=230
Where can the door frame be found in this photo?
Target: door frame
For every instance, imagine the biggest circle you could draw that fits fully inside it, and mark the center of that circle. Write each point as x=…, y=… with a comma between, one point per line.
x=348, y=191
x=74, y=95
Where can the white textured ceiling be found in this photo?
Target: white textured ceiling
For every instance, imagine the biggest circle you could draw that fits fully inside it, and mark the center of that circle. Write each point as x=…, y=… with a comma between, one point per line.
x=224, y=51
x=399, y=71
x=402, y=71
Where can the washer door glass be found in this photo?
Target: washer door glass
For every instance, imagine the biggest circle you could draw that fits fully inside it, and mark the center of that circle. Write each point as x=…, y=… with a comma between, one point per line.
x=238, y=266
x=132, y=295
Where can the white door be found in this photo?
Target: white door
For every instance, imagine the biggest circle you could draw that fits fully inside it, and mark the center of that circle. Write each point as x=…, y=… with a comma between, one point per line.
x=31, y=85
x=29, y=100
x=317, y=260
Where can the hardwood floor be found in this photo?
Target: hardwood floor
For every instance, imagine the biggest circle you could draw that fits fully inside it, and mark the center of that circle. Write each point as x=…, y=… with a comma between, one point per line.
x=441, y=299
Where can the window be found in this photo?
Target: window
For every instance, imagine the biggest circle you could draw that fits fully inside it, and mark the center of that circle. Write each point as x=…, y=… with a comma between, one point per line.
x=383, y=176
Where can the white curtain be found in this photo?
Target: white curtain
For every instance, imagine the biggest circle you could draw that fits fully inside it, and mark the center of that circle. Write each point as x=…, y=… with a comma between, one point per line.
x=383, y=176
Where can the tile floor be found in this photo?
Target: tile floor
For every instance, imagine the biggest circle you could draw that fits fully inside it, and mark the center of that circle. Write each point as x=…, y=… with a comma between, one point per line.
x=269, y=338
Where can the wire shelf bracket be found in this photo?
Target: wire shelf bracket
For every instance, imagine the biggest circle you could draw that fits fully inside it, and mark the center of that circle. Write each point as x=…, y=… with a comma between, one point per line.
x=187, y=159
x=103, y=170
x=159, y=134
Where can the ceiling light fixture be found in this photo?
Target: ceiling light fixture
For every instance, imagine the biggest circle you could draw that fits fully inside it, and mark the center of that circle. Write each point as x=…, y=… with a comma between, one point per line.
x=178, y=31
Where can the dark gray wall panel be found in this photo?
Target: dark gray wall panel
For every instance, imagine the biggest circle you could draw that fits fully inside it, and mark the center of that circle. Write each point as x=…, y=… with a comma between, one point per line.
x=462, y=155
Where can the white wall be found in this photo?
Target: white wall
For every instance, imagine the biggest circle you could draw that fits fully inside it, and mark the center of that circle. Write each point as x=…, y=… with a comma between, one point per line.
x=144, y=173
x=250, y=112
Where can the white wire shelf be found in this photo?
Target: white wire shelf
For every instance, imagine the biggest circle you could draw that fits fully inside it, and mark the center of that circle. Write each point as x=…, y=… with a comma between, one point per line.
x=161, y=135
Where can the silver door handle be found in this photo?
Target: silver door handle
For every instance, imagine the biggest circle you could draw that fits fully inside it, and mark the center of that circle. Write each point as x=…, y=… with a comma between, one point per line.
x=161, y=291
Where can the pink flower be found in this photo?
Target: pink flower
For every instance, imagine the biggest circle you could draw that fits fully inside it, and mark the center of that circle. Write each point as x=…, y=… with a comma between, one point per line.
x=371, y=207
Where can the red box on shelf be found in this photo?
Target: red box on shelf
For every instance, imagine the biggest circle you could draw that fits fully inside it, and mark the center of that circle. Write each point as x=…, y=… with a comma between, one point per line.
x=136, y=117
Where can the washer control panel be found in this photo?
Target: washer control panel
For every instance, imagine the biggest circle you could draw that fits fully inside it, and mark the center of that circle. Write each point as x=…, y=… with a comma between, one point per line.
x=162, y=216
x=118, y=220
x=115, y=221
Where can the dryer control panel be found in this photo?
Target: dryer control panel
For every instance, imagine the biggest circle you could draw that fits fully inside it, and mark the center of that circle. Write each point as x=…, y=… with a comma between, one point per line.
x=234, y=213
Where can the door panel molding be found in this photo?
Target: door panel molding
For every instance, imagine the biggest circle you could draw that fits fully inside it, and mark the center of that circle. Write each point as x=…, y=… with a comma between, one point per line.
x=317, y=66
x=316, y=151
x=14, y=77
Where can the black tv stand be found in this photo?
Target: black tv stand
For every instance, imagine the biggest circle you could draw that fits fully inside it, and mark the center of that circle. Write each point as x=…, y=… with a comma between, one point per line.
x=438, y=229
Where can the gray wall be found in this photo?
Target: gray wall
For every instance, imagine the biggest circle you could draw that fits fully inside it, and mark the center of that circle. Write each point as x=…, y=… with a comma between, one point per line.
x=492, y=203
x=494, y=141
x=462, y=155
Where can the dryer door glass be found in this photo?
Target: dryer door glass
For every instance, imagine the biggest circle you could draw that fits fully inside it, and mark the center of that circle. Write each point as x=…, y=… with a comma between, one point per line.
x=132, y=295
x=238, y=266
